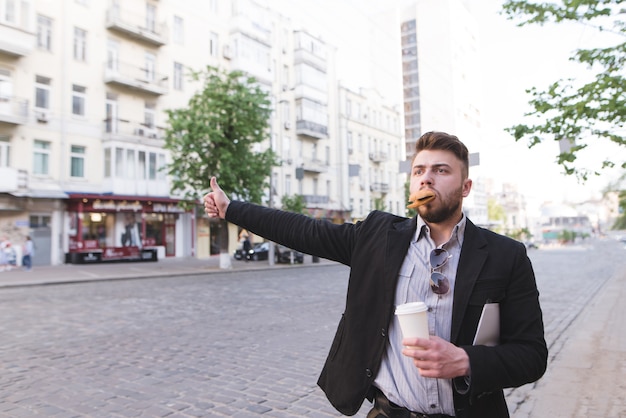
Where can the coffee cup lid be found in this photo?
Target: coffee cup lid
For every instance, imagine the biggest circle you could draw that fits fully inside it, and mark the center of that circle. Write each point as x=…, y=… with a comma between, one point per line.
x=412, y=307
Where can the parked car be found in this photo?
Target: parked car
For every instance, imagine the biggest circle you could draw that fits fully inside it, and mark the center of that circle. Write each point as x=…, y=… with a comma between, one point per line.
x=283, y=254
x=259, y=251
x=238, y=254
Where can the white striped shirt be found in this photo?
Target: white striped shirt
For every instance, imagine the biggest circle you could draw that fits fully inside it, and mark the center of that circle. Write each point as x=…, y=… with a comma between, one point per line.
x=398, y=377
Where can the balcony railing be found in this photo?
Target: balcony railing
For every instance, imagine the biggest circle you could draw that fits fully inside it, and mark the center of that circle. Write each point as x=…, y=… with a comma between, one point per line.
x=136, y=78
x=15, y=40
x=378, y=156
x=13, y=111
x=379, y=187
x=311, y=129
x=124, y=130
x=314, y=199
x=314, y=165
x=136, y=25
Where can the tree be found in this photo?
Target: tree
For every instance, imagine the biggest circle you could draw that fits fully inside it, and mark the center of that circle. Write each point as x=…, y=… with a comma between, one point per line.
x=219, y=134
x=579, y=116
x=293, y=203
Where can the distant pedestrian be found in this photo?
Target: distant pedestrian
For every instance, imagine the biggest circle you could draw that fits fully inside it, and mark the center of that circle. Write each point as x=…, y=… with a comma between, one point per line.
x=4, y=264
x=246, y=247
x=28, y=252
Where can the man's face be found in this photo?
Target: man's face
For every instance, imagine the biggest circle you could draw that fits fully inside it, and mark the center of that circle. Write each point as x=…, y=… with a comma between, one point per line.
x=441, y=172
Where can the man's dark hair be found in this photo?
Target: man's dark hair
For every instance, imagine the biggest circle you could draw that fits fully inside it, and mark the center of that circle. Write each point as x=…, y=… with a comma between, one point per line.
x=444, y=142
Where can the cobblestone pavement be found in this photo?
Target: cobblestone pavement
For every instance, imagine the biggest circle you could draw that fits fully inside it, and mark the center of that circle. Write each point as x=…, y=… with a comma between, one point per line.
x=248, y=343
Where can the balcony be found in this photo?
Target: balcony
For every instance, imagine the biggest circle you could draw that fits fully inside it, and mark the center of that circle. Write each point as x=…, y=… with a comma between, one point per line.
x=136, y=26
x=314, y=165
x=13, y=111
x=16, y=41
x=302, y=55
x=134, y=132
x=379, y=187
x=13, y=180
x=311, y=129
x=135, y=78
x=314, y=199
x=378, y=156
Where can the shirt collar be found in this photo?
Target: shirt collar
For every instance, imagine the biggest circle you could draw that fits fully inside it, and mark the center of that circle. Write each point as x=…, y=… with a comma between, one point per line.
x=458, y=233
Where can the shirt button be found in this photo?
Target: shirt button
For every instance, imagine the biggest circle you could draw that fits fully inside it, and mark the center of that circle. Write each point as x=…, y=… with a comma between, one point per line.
x=383, y=332
x=432, y=405
x=430, y=309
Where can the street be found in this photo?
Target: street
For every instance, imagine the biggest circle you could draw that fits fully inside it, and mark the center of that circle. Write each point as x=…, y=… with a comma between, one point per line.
x=222, y=344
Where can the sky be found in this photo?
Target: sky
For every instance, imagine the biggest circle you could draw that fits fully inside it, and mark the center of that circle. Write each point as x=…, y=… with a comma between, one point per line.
x=513, y=59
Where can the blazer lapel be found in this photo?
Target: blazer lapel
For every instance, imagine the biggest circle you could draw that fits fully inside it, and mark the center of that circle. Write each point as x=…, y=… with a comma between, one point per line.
x=398, y=241
x=473, y=256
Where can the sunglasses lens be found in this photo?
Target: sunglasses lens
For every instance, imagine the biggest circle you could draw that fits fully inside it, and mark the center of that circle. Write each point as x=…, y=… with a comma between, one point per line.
x=439, y=283
x=438, y=257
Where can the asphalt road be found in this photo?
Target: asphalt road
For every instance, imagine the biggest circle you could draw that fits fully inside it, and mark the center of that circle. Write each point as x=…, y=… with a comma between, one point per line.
x=235, y=344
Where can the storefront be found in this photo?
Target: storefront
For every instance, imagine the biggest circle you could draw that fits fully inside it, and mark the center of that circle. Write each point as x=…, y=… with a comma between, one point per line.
x=121, y=228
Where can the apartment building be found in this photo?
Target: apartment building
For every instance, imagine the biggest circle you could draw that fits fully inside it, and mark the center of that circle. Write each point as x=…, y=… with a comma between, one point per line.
x=84, y=89
x=84, y=86
x=373, y=146
x=441, y=80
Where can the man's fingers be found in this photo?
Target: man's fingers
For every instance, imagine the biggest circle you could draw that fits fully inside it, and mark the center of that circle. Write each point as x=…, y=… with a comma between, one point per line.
x=214, y=186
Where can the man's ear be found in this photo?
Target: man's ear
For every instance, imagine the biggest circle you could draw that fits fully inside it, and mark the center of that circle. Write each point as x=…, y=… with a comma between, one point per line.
x=467, y=186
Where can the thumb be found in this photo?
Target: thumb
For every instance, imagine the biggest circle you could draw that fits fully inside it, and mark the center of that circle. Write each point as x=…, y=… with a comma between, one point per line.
x=214, y=186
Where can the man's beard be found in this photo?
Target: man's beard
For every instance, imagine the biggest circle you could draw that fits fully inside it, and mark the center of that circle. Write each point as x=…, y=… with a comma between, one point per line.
x=448, y=208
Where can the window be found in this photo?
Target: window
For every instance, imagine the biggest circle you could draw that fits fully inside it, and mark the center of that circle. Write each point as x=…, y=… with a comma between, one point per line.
x=130, y=164
x=161, y=173
x=41, y=158
x=151, y=17
x=150, y=62
x=78, y=100
x=44, y=33
x=214, y=44
x=77, y=161
x=213, y=6
x=112, y=55
x=42, y=92
x=179, y=30
x=149, y=115
x=107, y=163
x=141, y=168
x=5, y=152
x=119, y=163
x=39, y=221
x=152, y=167
x=178, y=76
x=80, y=44
x=9, y=11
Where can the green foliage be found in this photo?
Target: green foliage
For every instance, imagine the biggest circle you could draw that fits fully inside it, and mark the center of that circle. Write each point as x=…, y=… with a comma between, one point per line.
x=586, y=115
x=495, y=211
x=620, y=222
x=293, y=203
x=407, y=193
x=218, y=134
x=379, y=204
x=520, y=234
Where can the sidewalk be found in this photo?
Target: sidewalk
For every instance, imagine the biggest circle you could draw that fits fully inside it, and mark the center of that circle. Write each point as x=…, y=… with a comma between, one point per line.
x=72, y=273
x=585, y=376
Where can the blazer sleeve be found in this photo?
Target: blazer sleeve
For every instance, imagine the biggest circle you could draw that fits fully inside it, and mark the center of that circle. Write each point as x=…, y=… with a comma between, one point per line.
x=299, y=232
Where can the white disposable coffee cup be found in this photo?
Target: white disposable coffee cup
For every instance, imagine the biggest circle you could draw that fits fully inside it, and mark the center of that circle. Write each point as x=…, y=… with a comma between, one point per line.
x=413, y=318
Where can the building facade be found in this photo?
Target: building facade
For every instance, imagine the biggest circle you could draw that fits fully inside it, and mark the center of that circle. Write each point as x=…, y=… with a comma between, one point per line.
x=84, y=86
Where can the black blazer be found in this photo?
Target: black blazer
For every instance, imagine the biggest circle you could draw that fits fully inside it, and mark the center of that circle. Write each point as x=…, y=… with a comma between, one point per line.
x=491, y=268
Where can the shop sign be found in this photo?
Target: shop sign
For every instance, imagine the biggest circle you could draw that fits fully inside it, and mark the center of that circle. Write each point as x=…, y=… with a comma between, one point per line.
x=169, y=208
x=117, y=206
